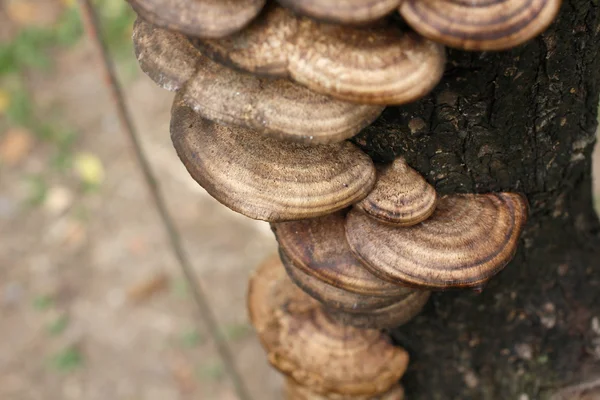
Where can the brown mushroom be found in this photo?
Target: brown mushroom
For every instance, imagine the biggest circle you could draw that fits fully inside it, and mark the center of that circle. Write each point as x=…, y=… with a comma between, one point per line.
x=202, y=18
x=305, y=344
x=480, y=24
x=468, y=239
x=401, y=196
x=266, y=288
x=333, y=297
x=276, y=107
x=293, y=391
x=318, y=259
x=343, y=11
x=268, y=179
x=262, y=48
x=391, y=316
x=378, y=65
x=168, y=58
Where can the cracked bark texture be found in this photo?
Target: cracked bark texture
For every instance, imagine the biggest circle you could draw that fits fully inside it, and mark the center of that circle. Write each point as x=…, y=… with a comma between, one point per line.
x=522, y=120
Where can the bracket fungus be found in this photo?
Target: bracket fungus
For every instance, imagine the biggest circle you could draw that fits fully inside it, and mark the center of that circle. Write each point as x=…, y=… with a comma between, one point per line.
x=306, y=345
x=396, y=314
x=166, y=57
x=262, y=48
x=468, y=239
x=202, y=18
x=333, y=298
x=268, y=179
x=275, y=107
x=401, y=196
x=294, y=391
x=343, y=11
x=376, y=65
x=318, y=259
x=480, y=24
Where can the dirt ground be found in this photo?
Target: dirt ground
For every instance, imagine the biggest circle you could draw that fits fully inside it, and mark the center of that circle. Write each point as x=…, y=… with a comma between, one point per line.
x=92, y=303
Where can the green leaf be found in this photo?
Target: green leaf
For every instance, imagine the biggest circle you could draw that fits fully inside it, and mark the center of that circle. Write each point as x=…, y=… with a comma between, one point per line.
x=20, y=110
x=58, y=326
x=67, y=359
x=212, y=370
x=191, y=338
x=38, y=189
x=237, y=331
x=42, y=303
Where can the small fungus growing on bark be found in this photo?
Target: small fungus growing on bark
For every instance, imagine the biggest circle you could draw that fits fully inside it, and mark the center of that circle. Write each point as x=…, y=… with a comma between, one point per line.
x=401, y=196
x=468, y=239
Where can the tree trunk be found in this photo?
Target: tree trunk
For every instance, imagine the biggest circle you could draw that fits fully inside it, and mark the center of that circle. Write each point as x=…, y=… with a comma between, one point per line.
x=523, y=121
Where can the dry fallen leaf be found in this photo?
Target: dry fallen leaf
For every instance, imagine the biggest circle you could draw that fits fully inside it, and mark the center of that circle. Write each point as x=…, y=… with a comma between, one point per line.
x=15, y=145
x=148, y=287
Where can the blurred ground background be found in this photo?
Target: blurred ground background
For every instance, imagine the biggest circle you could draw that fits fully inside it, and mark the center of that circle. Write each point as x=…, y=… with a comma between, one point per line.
x=92, y=303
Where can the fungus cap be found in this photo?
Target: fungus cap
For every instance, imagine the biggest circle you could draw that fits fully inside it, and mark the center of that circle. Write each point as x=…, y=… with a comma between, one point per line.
x=275, y=107
x=343, y=11
x=267, y=179
x=394, y=315
x=262, y=48
x=305, y=344
x=468, y=239
x=480, y=24
x=401, y=196
x=168, y=58
x=333, y=297
x=318, y=247
x=202, y=18
x=376, y=65
x=293, y=391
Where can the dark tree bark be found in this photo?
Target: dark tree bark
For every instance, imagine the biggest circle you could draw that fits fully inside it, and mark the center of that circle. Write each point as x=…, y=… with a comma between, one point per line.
x=524, y=121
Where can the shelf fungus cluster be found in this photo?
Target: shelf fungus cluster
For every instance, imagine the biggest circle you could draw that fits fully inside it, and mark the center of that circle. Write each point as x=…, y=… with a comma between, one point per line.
x=267, y=96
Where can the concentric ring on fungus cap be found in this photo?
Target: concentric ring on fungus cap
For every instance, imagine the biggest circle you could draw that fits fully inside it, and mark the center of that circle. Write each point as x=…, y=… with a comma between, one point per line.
x=401, y=196
x=343, y=11
x=318, y=259
x=293, y=391
x=468, y=239
x=168, y=58
x=303, y=343
x=262, y=48
x=375, y=65
x=378, y=65
x=334, y=298
x=275, y=107
x=394, y=315
x=268, y=179
x=480, y=24
x=202, y=18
